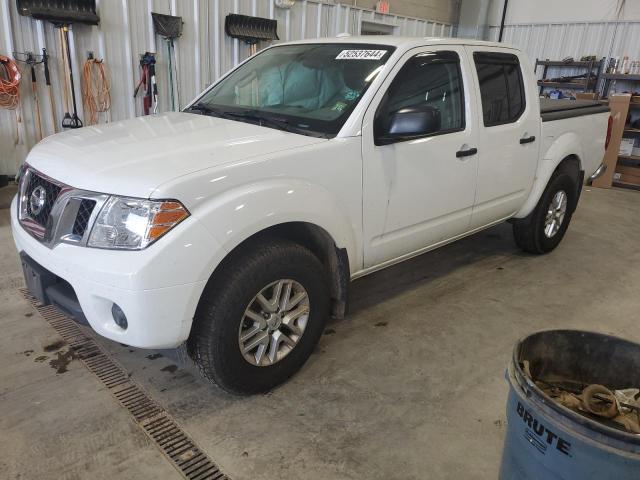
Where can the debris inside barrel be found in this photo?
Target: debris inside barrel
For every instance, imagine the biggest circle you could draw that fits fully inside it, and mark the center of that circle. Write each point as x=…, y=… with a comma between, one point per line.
x=616, y=408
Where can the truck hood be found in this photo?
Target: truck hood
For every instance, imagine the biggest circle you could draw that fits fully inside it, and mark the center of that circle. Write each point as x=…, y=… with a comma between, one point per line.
x=133, y=157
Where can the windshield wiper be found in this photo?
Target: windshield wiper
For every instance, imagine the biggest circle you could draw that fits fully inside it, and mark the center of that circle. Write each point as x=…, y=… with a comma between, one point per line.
x=254, y=116
x=275, y=122
x=200, y=107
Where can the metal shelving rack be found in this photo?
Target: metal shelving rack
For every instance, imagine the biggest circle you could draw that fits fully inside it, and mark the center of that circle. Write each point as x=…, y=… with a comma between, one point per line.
x=589, y=66
x=628, y=166
x=625, y=77
x=632, y=161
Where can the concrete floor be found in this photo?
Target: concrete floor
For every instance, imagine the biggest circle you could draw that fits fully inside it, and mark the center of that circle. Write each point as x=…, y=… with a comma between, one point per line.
x=410, y=386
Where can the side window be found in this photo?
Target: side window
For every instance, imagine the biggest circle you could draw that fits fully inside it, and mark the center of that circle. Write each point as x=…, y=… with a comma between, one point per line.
x=429, y=79
x=501, y=87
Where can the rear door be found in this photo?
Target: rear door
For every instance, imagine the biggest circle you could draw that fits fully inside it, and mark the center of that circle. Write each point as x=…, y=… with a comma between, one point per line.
x=509, y=120
x=419, y=191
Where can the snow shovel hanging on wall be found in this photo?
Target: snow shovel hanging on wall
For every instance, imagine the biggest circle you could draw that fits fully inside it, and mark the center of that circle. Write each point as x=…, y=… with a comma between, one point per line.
x=60, y=12
x=251, y=30
x=69, y=121
x=170, y=28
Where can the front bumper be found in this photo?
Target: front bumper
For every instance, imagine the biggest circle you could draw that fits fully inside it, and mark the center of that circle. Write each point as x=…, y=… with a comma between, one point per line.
x=157, y=288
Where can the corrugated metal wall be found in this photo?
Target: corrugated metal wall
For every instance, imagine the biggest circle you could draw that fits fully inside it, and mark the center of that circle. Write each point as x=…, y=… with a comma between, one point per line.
x=556, y=41
x=203, y=52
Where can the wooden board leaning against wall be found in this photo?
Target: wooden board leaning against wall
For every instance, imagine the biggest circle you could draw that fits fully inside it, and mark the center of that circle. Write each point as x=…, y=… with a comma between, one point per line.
x=619, y=105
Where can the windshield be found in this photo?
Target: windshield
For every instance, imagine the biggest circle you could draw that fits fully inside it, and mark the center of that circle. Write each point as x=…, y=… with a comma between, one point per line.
x=308, y=88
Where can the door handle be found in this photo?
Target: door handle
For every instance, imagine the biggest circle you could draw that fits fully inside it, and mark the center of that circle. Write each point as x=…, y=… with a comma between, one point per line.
x=527, y=140
x=466, y=153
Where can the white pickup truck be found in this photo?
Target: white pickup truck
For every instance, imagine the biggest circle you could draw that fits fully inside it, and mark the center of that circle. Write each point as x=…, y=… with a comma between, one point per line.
x=236, y=225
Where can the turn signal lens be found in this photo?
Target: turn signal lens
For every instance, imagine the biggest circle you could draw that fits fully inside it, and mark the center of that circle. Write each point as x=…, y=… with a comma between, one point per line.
x=134, y=223
x=168, y=215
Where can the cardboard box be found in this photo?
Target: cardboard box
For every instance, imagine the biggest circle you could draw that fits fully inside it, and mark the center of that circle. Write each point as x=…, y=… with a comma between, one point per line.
x=626, y=147
x=619, y=105
x=629, y=171
x=627, y=179
x=586, y=96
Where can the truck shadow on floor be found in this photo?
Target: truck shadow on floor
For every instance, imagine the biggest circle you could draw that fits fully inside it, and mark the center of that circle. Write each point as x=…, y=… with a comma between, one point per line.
x=493, y=246
x=166, y=369
x=185, y=394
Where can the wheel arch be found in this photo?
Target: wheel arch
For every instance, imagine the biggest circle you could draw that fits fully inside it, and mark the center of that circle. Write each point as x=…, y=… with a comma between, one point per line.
x=565, y=155
x=314, y=238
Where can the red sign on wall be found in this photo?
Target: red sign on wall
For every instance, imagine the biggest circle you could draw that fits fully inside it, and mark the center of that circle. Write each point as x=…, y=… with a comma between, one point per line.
x=382, y=6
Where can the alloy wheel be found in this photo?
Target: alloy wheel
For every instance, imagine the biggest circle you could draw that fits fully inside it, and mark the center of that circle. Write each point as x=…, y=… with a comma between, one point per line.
x=555, y=214
x=274, y=322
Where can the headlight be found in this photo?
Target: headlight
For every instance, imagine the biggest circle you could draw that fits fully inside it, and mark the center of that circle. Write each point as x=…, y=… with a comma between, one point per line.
x=134, y=223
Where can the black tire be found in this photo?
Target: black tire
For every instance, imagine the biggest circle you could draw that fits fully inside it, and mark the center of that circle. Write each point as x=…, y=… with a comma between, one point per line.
x=529, y=232
x=213, y=343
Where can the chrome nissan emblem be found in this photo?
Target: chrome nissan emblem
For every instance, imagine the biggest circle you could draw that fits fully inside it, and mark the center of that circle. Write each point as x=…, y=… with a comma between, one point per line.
x=37, y=200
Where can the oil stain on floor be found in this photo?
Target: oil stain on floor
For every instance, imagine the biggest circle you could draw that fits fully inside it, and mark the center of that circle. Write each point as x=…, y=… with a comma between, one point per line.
x=62, y=360
x=170, y=368
x=52, y=347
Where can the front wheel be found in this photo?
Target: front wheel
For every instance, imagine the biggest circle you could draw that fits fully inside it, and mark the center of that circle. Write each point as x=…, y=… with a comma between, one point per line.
x=260, y=317
x=544, y=228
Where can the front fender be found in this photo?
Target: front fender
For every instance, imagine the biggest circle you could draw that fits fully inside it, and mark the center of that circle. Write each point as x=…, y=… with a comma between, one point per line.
x=567, y=144
x=237, y=214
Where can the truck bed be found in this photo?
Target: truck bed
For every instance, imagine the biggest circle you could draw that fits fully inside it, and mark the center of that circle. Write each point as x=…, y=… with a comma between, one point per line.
x=558, y=109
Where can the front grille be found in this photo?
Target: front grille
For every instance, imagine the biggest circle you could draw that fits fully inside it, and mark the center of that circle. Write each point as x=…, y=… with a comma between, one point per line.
x=54, y=212
x=83, y=216
x=51, y=192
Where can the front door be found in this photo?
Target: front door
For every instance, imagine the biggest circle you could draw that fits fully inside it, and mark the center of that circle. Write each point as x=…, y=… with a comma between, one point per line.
x=419, y=191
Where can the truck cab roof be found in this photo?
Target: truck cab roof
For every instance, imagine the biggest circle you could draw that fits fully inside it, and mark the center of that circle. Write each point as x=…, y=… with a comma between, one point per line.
x=402, y=42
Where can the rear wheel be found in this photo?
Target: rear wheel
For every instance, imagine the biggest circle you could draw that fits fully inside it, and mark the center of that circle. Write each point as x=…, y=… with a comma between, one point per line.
x=261, y=316
x=545, y=227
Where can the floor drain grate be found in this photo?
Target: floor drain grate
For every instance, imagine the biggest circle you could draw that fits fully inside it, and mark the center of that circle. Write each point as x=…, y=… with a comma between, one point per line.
x=168, y=436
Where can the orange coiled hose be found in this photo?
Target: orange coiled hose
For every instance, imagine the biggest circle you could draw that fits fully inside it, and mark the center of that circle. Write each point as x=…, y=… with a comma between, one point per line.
x=96, y=90
x=9, y=83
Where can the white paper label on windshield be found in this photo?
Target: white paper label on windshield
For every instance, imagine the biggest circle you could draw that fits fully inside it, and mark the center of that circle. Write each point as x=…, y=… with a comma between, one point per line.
x=361, y=54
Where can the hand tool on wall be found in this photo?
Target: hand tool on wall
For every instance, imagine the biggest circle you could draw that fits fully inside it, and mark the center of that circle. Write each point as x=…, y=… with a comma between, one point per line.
x=31, y=60
x=10, y=89
x=62, y=14
x=148, y=80
x=169, y=27
x=9, y=83
x=62, y=67
x=69, y=121
x=96, y=95
x=47, y=80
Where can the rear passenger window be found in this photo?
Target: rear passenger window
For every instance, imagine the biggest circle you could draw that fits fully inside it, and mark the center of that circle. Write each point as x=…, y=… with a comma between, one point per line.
x=430, y=79
x=501, y=87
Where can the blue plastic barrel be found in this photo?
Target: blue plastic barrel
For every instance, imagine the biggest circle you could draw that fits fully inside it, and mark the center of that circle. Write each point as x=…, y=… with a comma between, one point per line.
x=547, y=441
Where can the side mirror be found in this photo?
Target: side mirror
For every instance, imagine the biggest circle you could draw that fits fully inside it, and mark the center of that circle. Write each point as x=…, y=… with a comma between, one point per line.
x=408, y=123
